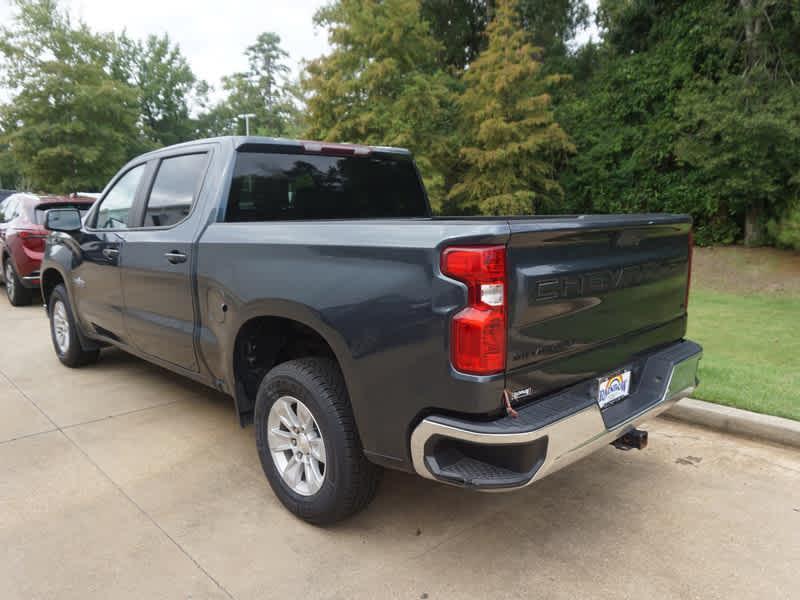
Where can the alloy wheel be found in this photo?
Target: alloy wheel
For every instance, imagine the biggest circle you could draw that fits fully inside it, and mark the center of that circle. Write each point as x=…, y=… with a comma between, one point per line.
x=61, y=326
x=296, y=444
x=9, y=277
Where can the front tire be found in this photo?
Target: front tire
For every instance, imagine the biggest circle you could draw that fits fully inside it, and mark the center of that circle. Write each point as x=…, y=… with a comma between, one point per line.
x=64, y=333
x=308, y=443
x=18, y=295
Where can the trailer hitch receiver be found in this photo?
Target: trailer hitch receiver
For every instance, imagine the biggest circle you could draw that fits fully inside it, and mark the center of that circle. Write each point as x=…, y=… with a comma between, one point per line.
x=635, y=438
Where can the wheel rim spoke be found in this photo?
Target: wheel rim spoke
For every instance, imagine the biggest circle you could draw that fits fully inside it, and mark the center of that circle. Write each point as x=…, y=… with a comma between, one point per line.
x=316, y=474
x=280, y=440
x=287, y=415
x=293, y=472
x=317, y=449
x=305, y=418
x=308, y=473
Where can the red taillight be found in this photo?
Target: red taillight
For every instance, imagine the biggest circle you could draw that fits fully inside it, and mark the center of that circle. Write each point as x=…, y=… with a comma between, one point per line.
x=689, y=269
x=478, y=332
x=33, y=239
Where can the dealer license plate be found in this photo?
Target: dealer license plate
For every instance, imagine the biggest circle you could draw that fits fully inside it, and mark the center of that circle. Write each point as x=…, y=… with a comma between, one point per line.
x=614, y=388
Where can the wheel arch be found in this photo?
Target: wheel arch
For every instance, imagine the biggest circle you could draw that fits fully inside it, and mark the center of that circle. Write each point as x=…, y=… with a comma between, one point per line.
x=265, y=339
x=50, y=278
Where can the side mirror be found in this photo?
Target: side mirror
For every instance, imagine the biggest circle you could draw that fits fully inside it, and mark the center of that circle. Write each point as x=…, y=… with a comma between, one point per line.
x=66, y=220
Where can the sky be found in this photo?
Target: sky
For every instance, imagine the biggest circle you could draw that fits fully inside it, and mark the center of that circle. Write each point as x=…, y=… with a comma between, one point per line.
x=213, y=34
x=591, y=33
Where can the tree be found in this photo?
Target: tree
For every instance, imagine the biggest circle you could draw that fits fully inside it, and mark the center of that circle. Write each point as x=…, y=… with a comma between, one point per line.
x=741, y=139
x=164, y=82
x=268, y=67
x=264, y=90
x=381, y=83
x=691, y=107
x=460, y=25
x=755, y=102
x=785, y=228
x=69, y=123
x=514, y=144
x=10, y=178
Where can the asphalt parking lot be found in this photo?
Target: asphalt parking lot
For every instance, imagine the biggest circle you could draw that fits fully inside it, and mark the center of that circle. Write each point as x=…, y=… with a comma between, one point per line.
x=121, y=480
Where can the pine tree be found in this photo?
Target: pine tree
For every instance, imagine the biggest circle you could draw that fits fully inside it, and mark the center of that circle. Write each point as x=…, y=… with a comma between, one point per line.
x=513, y=144
x=381, y=84
x=264, y=89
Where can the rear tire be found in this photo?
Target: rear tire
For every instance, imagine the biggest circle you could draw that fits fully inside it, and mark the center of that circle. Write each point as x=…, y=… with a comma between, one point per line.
x=64, y=333
x=289, y=393
x=18, y=295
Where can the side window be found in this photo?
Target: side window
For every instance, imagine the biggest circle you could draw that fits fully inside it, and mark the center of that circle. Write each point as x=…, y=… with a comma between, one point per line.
x=113, y=212
x=3, y=205
x=174, y=189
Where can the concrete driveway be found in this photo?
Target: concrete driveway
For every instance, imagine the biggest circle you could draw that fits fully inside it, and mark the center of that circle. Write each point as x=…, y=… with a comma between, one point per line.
x=121, y=480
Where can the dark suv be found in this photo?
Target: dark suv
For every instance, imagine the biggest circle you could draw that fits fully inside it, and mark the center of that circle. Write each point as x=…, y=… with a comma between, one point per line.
x=22, y=238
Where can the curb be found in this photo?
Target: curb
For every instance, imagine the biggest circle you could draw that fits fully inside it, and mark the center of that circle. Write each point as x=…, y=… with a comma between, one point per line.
x=737, y=421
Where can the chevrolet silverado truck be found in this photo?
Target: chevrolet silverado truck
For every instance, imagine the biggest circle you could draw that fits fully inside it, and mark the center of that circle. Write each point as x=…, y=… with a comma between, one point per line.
x=356, y=331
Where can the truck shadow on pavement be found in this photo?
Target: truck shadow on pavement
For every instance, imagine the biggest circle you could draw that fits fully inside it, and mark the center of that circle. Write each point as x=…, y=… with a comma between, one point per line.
x=592, y=482
x=583, y=497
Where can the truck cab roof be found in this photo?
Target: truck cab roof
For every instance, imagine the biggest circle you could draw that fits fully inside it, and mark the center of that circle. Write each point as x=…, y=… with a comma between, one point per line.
x=255, y=142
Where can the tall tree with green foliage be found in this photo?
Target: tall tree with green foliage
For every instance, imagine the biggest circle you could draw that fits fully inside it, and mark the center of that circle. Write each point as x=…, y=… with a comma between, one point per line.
x=460, y=26
x=381, y=83
x=165, y=84
x=514, y=144
x=264, y=90
x=69, y=122
x=10, y=176
x=741, y=128
x=691, y=107
x=553, y=24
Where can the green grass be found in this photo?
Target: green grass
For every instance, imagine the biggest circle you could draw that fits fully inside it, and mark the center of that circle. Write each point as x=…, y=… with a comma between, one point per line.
x=751, y=356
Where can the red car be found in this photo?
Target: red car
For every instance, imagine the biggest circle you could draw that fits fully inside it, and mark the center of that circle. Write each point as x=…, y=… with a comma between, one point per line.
x=22, y=239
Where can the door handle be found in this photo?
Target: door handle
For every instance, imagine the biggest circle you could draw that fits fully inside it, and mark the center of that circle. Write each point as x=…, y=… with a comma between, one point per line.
x=110, y=253
x=175, y=257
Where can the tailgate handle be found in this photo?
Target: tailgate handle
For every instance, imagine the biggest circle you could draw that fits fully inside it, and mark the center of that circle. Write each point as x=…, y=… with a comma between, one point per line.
x=175, y=257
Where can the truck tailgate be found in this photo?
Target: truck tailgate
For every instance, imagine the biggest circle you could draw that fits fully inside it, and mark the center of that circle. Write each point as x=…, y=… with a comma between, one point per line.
x=586, y=294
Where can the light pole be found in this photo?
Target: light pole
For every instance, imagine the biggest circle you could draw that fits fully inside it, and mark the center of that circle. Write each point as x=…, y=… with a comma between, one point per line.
x=247, y=118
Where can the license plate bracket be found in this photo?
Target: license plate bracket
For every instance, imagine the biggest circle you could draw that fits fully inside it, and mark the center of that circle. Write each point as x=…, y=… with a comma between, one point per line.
x=613, y=388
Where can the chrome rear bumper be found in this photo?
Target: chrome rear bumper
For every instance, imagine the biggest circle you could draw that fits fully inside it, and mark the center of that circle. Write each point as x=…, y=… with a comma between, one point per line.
x=668, y=376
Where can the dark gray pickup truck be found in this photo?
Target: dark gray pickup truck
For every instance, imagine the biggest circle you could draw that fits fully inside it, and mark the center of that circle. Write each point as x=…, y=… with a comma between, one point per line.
x=310, y=282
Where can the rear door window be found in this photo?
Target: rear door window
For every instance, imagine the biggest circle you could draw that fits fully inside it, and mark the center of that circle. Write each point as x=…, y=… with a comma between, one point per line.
x=174, y=190
x=278, y=187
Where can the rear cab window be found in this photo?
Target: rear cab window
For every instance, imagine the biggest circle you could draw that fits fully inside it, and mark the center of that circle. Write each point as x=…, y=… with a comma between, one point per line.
x=269, y=186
